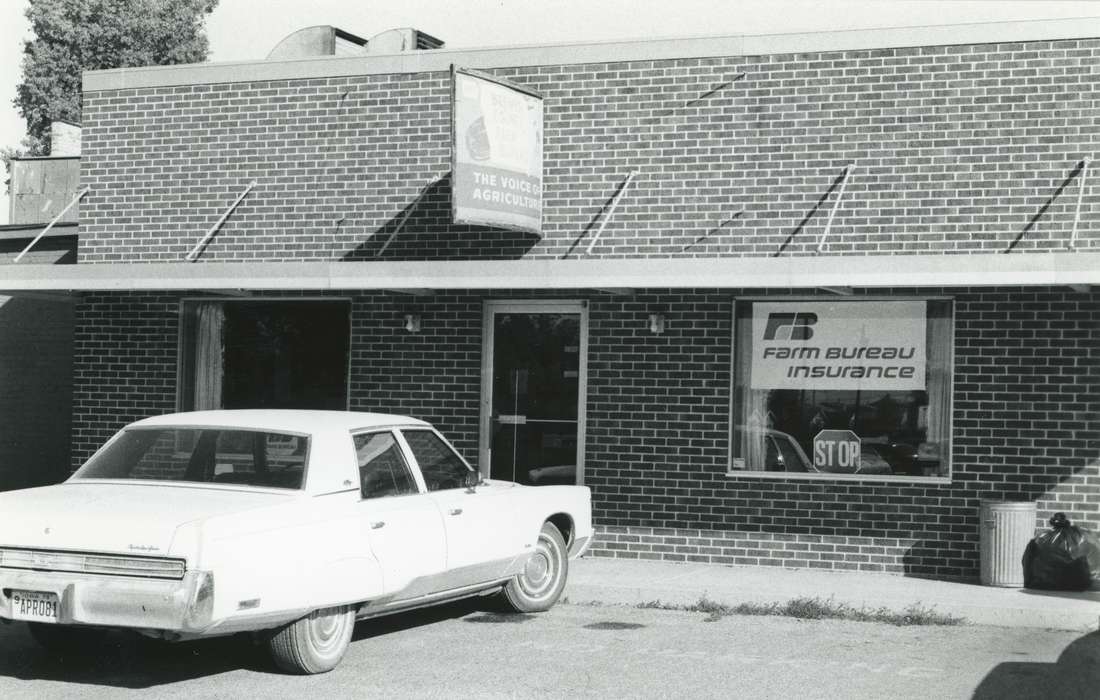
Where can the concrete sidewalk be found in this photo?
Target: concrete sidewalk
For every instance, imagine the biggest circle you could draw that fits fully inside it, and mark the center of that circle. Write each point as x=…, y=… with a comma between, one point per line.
x=629, y=582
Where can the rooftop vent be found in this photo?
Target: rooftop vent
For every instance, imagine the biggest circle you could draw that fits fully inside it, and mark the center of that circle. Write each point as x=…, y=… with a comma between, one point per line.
x=404, y=39
x=326, y=40
x=322, y=40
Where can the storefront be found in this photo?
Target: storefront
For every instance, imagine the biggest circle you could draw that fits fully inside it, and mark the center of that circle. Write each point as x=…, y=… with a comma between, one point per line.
x=782, y=301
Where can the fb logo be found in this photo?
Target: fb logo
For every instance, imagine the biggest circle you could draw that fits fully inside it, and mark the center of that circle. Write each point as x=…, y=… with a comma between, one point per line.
x=790, y=326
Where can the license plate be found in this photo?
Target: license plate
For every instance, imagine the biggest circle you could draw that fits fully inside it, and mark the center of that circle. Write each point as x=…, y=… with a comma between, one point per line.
x=36, y=606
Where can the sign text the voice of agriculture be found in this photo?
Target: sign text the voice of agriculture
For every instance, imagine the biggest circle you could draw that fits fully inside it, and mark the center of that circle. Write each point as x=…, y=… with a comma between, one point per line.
x=497, y=153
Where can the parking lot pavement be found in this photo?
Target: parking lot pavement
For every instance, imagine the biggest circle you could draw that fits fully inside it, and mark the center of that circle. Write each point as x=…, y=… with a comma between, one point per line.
x=469, y=650
x=472, y=651
x=629, y=581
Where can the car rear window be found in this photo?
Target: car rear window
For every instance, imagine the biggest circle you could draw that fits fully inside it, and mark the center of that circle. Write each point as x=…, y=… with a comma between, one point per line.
x=202, y=455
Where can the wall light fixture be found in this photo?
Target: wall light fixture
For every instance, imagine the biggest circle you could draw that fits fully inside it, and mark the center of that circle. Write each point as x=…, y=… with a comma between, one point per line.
x=656, y=324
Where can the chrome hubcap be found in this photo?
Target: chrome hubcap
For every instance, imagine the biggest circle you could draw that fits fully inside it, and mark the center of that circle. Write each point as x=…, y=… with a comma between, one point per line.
x=541, y=572
x=538, y=568
x=326, y=629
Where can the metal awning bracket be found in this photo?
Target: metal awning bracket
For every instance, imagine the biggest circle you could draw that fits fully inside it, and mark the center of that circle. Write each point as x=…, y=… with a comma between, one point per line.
x=197, y=250
x=1072, y=245
x=53, y=221
x=408, y=212
x=610, y=212
x=836, y=205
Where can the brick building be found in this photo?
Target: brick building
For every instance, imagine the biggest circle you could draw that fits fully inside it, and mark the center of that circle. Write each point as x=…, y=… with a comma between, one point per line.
x=916, y=200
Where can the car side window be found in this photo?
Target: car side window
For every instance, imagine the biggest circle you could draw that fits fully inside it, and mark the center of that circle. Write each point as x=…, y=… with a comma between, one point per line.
x=440, y=466
x=382, y=469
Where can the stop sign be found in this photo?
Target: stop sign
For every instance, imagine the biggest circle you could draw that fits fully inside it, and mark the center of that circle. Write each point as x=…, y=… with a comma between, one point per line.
x=836, y=451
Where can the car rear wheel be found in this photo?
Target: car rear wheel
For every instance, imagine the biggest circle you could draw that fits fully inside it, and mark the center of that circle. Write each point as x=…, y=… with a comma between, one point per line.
x=315, y=643
x=542, y=580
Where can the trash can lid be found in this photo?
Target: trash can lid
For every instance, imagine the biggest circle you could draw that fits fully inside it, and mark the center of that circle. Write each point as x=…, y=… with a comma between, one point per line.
x=1007, y=505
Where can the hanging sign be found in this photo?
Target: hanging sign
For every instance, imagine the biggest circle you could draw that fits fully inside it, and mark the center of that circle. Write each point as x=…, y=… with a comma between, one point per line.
x=496, y=151
x=844, y=345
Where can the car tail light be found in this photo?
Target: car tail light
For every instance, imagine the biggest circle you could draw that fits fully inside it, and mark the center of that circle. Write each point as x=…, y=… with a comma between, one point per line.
x=104, y=564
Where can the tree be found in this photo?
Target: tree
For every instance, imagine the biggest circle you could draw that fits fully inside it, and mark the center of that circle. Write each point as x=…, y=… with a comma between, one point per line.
x=71, y=36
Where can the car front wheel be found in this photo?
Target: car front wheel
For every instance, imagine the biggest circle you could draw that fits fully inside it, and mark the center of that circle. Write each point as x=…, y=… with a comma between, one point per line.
x=542, y=580
x=315, y=643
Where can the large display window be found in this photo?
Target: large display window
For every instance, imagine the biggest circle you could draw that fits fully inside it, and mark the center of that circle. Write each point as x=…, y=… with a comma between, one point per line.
x=260, y=353
x=849, y=388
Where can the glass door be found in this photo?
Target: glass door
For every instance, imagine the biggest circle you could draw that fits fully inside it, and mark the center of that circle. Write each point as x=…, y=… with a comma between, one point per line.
x=533, y=392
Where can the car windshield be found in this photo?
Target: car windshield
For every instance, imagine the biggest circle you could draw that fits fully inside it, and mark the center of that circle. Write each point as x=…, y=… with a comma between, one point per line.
x=202, y=455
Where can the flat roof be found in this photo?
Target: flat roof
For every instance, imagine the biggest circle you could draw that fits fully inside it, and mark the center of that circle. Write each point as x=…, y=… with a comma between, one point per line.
x=592, y=52
x=872, y=271
x=28, y=231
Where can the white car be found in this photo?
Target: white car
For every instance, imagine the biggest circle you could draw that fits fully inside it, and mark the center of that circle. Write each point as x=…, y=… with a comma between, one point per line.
x=288, y=524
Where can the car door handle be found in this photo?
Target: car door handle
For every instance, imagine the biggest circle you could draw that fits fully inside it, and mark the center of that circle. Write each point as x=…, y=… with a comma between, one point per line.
x=456, y=511
x=378, y=524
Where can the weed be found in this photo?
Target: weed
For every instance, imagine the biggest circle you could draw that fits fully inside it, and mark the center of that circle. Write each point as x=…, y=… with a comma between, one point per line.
x=813, y=609
x=658, y=605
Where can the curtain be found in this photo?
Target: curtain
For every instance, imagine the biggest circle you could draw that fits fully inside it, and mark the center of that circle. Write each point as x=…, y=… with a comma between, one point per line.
x=753, y=447
x=753, y=403
x=940, y=342
x=209, y=350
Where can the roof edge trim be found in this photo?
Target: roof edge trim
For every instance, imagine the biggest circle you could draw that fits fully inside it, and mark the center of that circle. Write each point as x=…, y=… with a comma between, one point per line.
x=592, y=52
x=872, y=271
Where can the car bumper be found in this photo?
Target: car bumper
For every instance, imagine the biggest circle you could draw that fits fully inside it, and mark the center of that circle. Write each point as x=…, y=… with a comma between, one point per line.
x=579, y=546
x=183, y=605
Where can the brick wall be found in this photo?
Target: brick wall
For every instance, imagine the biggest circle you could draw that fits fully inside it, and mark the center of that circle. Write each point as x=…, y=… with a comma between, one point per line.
x=434, y=374
x=124, y=365
x=959, y=149
x=1026, y=426
x=1026, y=420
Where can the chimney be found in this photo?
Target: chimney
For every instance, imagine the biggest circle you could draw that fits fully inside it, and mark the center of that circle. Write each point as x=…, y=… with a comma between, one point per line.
x=64, y=139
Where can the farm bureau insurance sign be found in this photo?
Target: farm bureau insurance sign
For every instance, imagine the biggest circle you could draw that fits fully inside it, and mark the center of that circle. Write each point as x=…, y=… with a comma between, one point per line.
x=866, y=345
x=497, y=153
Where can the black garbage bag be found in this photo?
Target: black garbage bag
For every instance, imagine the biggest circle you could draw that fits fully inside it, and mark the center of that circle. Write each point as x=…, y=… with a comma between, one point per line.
x=1064, y=558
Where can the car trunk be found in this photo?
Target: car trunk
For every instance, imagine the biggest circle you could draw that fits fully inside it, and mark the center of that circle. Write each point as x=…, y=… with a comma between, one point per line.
x=135, y=519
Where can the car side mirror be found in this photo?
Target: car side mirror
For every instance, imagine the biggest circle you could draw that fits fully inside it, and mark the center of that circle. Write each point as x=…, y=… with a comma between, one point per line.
x=472, y=479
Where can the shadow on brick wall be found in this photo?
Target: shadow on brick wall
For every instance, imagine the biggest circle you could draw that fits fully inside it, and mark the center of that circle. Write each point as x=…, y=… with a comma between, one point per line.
x=35, y=391
x=423, y=230
x=810, y=214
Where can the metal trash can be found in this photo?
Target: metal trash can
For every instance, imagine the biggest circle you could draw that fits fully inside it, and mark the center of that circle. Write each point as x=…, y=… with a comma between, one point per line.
x=1006, y=528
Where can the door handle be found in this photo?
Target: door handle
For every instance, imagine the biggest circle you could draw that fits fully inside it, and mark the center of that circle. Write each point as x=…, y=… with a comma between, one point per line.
x=456, y=511
x=377, y=524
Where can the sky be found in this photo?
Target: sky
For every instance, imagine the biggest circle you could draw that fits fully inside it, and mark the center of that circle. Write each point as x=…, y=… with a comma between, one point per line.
x=244, y=30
